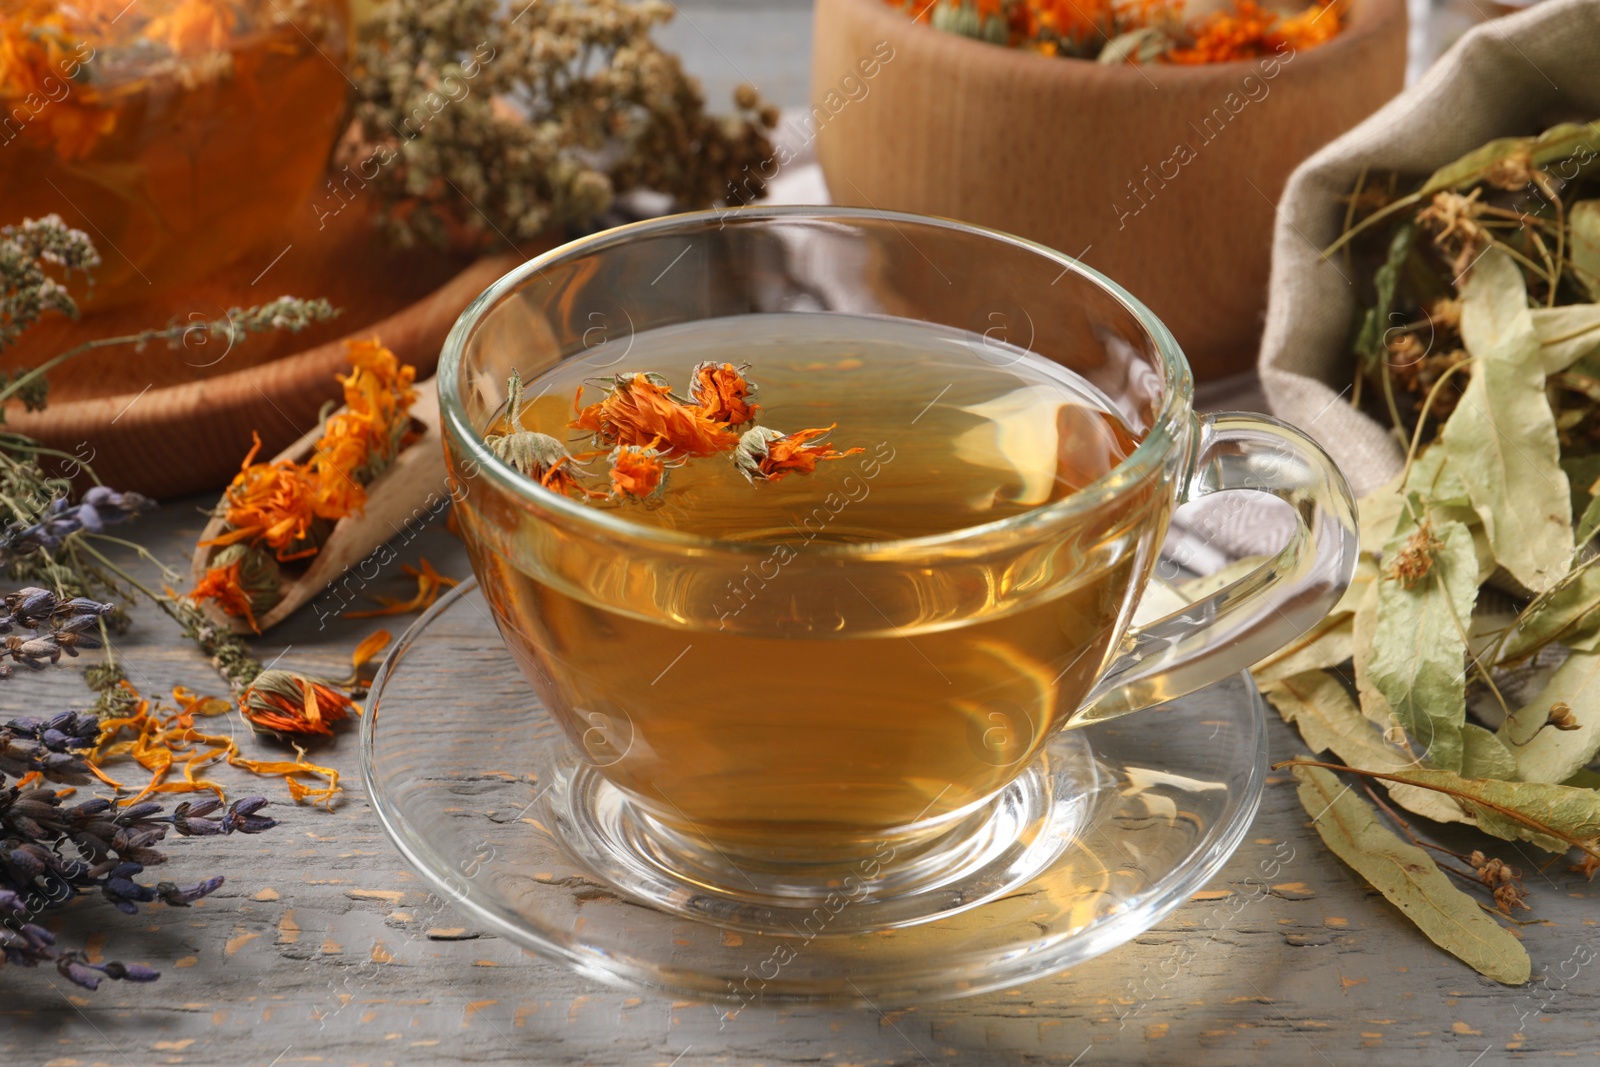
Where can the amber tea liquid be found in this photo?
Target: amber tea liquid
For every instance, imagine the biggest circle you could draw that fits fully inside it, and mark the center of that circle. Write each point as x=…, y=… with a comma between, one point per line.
x=822, y=688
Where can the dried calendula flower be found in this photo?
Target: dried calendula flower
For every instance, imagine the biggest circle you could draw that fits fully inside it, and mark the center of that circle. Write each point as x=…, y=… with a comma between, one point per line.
x=273, y=503
x=430, y=583
x=766, y=455
x=642, y=410
x=1415, y=559
x=293, y=703
x=722, y=393
x=243, y=581
x=638, y=472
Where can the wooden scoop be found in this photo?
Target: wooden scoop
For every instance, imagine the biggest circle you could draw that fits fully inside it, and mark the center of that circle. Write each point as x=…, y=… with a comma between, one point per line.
x=404, y=490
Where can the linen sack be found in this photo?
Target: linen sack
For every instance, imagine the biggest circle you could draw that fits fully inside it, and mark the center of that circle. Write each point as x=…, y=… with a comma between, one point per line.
x=1513, y=76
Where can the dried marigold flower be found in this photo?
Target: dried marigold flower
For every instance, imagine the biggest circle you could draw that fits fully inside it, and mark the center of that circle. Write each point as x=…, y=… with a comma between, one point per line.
x=722, y=394
x=430, y=583
x=641, y=410
x=242, y=581
x=293, y=703
x=1414, y=561
x=764, y=454
x=637, y=473
x=542, y=458
x=274, y=503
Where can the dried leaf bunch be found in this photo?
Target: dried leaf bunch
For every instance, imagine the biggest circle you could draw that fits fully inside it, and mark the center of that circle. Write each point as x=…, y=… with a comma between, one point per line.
x=479, y=121
x=1460, y=670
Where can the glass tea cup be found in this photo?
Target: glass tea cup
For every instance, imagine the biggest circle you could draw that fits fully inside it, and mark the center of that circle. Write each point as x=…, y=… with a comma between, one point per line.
x=877, y=714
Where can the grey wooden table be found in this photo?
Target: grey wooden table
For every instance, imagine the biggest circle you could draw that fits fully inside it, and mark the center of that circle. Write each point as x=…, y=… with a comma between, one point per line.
x=323, y=948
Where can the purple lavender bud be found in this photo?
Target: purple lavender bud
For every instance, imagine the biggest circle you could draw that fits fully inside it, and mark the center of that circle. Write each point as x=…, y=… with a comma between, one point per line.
x=27, y=863
x=78, y=973
x=138, y=813
x=197, y=827
x=36, y=935
x=182, y=897
x=31, y=601
x=82, y=605
x=100, y=494
x=131, y=972
x=77, y=624
x=240, y=819
x=193, y=808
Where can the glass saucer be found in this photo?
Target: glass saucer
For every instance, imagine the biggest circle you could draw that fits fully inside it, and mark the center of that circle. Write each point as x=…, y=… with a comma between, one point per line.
x=485, y=796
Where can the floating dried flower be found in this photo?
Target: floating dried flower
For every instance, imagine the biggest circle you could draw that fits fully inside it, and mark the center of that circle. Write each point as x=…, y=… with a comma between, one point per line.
x=722, y=394
x=638, y=473
x=641, y=410
x=765, y=454
x=430, y=583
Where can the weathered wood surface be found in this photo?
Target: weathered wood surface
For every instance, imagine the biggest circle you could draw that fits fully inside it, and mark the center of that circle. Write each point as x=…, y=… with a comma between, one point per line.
x=322, y=948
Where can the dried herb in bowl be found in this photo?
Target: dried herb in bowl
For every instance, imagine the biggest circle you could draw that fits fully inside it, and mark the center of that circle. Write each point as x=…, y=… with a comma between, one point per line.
x=1134, y=31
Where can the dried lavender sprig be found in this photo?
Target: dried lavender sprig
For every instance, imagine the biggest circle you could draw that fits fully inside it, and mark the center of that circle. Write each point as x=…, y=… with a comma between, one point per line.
x=98, y=508
x=113, y=844
x=28, y=945
x=60, y=627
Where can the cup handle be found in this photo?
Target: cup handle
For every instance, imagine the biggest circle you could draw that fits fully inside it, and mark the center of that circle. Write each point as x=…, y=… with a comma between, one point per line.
x=1258, y=614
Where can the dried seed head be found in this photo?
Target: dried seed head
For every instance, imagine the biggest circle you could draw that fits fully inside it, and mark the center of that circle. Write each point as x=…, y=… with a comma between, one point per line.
x=1405, y=349
x=1415, y=559
x=1561, y=717
x=1453, y=221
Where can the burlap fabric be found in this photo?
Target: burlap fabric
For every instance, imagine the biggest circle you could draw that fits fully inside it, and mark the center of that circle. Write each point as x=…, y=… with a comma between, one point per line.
x=1513, y=76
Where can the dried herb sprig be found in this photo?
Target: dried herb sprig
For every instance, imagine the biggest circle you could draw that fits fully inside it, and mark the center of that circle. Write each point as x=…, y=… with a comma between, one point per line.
x=51, y=852
x=478, y=121
x=60, y=627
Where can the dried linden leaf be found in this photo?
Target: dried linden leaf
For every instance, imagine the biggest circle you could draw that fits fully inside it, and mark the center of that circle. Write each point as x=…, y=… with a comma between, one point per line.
x=1483, y=755
x=1554, y=817
x=1378, y=514
x=1409, y=879
x=1501, y=438
x=1329, y=721
x=1568, y=612
x=1551, y=755
x=1583, y=220
x=1419, y=643
x=1567, y=333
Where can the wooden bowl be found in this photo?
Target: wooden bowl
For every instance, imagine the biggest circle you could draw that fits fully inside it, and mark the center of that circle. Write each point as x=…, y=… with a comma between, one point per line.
x=1162, y=177
x=168, y=421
